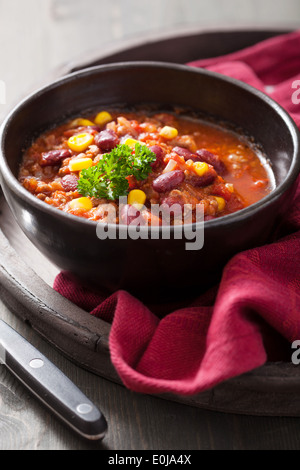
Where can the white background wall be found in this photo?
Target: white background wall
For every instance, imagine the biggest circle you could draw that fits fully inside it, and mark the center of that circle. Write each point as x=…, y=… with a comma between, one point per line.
x=37, y=35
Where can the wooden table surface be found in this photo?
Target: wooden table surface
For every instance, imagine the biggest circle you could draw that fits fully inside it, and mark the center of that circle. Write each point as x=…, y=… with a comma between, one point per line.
x=35, y=37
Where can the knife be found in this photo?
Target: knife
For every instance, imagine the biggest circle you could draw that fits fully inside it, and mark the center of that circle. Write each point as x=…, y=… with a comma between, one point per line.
x=50, y=385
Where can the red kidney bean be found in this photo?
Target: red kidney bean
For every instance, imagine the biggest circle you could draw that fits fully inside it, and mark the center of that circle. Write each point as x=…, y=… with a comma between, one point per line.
x=54, y=157
x=106, y=140
x=171, y=200
x=130, y=215
x=222, y=191
x=159, y=155
x=185, y=153
x=69, y=182
x=212, y=159
x=204, y=180
x=94, y=128
x=168, y=181
x=174, y=203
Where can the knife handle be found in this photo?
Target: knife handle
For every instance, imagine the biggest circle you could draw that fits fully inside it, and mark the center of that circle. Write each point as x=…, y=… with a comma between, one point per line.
x=50, y=385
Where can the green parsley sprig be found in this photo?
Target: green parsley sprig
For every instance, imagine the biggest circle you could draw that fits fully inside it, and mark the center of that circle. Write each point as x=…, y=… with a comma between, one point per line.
x=108, y=179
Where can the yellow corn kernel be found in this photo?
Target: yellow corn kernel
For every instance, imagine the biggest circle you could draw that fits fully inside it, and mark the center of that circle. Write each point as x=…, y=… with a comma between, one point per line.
x=103, y=118
x=200, y=168
x=221, y=203
x=78, y=164
x=131, y=142
x=80, y=142
x=168, y=132
x=136, y=198
x=81, y=123
x=82, y=204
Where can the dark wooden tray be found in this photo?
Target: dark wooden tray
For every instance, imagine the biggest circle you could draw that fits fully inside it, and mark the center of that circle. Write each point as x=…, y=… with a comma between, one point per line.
x=26, y=277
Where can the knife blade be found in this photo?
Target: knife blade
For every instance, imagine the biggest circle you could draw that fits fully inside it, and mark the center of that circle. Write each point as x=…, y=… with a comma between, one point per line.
x=50, y=385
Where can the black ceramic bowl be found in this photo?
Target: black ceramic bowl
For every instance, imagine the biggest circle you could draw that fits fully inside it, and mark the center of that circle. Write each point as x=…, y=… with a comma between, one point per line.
x=149, y=268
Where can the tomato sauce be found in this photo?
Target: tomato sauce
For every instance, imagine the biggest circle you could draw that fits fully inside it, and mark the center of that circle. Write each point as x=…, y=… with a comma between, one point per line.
x=197, y=162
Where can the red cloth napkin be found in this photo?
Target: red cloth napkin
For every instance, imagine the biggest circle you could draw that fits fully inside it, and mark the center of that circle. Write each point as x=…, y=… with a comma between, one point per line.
x=252, y=316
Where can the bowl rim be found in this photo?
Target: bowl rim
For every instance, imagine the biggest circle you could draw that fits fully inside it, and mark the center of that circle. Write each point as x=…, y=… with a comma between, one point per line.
x=230, y=219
